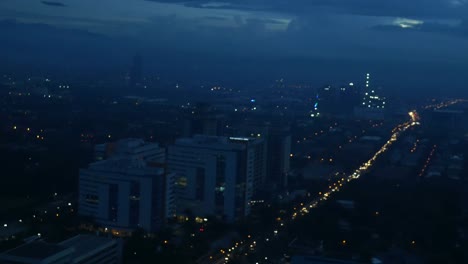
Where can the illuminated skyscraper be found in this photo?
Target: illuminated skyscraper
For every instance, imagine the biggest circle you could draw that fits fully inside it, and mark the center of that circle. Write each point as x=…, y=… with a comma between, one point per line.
x=316, y=112
x=325, y=101
x=372, y=105
x=371, y=99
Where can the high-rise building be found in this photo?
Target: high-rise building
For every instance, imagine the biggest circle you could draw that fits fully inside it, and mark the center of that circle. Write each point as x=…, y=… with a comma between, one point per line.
x=349, y=97
x=135, y=76
x=278, y=158
x=217, y=175
x=129, y=189
x=203, y=120
x=371, y=98
x=327, y=99
x=315, y=112
x=372, y=104
x=277, y=136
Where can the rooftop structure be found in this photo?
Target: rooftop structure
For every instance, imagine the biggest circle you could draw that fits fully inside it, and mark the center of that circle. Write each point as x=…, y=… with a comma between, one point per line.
x=80, y=249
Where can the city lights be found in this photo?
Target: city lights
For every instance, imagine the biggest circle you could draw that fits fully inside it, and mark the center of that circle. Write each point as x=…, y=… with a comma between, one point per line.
x=336, y=187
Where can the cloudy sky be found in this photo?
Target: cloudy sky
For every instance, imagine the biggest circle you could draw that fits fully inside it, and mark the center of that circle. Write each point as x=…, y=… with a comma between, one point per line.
x=407, y=31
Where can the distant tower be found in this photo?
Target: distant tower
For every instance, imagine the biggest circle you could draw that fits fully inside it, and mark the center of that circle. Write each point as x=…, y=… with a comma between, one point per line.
x=371, y=99
x=315, y=112
x=203, y=120
x=327, y=97
x=136, y=72
x=366, y=90
x=372, y=106
x=367, y=81
x=348, y=98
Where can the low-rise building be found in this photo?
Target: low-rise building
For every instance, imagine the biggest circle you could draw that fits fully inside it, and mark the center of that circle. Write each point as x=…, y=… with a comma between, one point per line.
x=80, y=249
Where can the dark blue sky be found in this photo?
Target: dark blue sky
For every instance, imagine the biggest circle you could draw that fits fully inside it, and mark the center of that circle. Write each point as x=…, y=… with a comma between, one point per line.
x=424, y=42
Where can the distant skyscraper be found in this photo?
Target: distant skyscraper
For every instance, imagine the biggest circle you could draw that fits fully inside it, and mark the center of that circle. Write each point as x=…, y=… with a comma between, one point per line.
x=129, y=189
x=277, y=136
x=136, y=72
x=373, y=103
x=202, y=120
x=349, y=97
x=278, y=157
x=315, y=112
x=217, y=175
x=327, y=99
x=371, y=99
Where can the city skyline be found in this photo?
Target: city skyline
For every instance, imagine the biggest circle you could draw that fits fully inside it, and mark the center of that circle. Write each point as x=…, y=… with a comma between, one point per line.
x=317, y=42
x=233, y=132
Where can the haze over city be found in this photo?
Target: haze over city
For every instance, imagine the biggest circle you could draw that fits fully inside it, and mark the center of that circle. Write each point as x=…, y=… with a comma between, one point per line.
x=234, y=131
x=415, y=46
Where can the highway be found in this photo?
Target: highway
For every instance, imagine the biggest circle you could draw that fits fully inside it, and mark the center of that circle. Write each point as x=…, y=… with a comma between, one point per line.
x=335, y=187
x=250, y=243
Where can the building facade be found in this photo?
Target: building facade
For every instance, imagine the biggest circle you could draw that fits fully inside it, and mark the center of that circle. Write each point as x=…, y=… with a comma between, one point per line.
x=217, y=175
x=277, y=136
x=128, y=190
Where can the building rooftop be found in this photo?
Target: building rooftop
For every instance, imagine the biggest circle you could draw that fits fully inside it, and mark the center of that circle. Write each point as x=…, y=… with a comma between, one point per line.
x=127, y=144
x=86, y=244
x=125, y=165
x=216, y=142
x=128, y=147
x=37, y=250
x=73, y=250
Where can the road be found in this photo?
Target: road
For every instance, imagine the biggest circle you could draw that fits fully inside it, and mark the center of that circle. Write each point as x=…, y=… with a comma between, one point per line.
x=250, y=243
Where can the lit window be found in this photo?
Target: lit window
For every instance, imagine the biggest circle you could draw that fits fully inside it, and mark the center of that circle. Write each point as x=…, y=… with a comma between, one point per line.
x=182, y=182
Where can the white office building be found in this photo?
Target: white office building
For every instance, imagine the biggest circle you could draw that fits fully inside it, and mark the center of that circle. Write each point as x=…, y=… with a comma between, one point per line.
x=217, y=175
x=131, y=148
x=131, y=189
